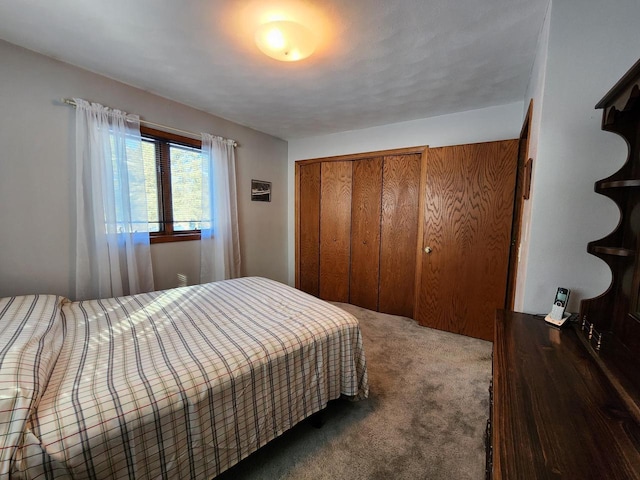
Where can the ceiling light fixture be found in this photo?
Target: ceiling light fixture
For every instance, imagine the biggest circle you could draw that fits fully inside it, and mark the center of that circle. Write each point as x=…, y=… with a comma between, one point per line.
x=285, y=40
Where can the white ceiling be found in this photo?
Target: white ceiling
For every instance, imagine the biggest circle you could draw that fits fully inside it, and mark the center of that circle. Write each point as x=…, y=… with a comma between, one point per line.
x=380, y=61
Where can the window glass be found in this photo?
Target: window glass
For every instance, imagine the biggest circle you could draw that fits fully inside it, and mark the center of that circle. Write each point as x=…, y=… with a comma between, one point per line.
x=149, y=155
x=172, y=185
x=186, y=187
x=132, y=178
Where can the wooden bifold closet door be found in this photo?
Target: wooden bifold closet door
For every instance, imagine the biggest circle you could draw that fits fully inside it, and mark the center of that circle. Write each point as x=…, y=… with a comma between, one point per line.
x=365, y=232
x=400, y=233
x=308, y=234
x=363, y=210
x=335, y=230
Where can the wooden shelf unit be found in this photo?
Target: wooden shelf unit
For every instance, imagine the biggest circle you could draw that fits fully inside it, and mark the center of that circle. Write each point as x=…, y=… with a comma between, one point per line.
x=618, y=252
x=631, y=183
x=610, y=322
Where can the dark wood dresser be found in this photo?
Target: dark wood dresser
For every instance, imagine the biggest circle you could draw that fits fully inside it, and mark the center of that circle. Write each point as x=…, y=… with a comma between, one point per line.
x=554, y=412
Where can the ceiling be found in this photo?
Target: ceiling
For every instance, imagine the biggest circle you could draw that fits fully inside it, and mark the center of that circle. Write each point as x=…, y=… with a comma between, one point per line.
x=379, y=62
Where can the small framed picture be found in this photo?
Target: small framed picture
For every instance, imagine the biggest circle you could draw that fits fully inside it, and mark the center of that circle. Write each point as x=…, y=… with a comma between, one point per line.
x=260, y=191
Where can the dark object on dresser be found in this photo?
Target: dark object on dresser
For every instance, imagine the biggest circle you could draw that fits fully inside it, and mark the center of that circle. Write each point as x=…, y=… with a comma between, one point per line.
x=554, y=412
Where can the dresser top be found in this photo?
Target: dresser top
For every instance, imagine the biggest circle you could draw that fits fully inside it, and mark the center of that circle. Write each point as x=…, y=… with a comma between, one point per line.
x=555, y=413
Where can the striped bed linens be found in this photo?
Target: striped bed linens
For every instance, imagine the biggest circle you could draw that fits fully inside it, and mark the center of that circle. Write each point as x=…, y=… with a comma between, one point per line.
x=31, y=335
x=185, y=383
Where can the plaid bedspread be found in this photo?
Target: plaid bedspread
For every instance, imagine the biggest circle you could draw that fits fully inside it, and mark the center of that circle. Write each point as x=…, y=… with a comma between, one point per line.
x=182, y=383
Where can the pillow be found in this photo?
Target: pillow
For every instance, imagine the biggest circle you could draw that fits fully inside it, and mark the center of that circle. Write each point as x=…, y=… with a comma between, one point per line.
x=31, y=336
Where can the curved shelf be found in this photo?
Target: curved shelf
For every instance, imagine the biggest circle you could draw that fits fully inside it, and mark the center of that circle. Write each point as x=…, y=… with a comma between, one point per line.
x=609, y=313
x=634, y=183
x=618, y=252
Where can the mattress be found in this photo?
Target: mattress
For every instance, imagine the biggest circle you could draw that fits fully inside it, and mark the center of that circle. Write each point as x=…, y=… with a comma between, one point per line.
x=182, y=383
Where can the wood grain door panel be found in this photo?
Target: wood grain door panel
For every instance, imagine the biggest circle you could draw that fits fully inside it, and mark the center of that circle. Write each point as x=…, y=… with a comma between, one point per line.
x=467, y=224
x=309, y=228
x=335, y=230
x=399, y=233
x=365, y=232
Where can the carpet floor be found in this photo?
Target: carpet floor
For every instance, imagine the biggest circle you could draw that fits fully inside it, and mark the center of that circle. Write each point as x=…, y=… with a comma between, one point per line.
x=424, y=419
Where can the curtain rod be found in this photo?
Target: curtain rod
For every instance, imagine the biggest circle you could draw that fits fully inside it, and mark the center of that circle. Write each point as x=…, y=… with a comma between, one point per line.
x=69, y=101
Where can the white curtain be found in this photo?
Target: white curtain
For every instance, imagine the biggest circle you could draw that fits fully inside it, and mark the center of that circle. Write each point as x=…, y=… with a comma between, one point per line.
x=113, y=257
x=220, y=244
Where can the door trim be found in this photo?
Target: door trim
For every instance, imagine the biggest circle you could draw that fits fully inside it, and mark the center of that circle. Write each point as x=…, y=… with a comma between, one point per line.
x=361, y=156
x=518, y=208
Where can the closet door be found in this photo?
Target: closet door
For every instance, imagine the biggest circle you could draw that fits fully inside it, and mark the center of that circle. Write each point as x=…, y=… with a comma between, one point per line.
x=467, y=227
x=308, y=238
x=335, y=230
x=365, y=232
x=399, y=233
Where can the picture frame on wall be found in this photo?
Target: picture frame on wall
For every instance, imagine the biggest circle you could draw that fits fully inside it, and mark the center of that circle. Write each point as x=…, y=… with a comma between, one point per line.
x=260, y=191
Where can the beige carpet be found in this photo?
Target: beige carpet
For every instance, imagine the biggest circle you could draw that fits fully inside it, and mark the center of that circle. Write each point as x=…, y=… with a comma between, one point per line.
x=425, y=417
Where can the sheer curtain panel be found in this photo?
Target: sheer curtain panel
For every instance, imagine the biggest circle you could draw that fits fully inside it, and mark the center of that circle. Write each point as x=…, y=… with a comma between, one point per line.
x=220, y=244
x=113, y=256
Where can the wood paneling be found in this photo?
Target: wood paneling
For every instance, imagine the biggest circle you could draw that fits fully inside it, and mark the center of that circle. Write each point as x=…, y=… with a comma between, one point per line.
x=309, y=228
x=467, y=224
x=365, y=232
x=399, y=233
x=335, y=230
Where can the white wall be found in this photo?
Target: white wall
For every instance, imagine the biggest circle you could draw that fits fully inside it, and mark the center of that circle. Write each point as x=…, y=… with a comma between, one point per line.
x=591, y=45
x=535, y=90
x=483, y=125
x=36, y=167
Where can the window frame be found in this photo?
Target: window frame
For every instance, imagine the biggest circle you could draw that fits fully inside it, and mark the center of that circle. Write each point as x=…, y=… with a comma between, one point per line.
x=163, y=175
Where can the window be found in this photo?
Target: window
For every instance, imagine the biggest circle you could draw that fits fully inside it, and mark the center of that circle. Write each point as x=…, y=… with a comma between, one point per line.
x=173, y=175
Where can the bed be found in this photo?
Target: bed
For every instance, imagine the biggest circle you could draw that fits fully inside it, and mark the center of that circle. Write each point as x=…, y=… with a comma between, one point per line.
x=182, y=383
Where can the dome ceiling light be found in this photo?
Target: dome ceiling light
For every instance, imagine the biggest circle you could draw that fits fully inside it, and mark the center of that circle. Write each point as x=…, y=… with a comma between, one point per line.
x=285, y=40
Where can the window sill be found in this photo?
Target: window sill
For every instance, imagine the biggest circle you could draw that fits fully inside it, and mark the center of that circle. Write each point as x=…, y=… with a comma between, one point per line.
x=174, y=237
